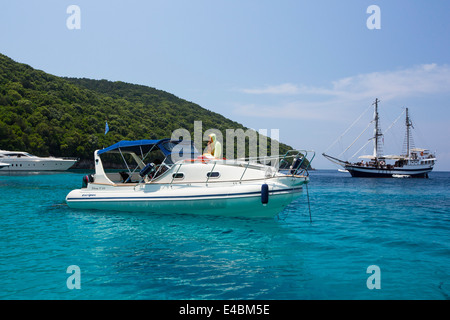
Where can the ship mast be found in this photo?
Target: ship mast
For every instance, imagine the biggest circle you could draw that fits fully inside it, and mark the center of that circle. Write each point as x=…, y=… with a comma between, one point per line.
x=408, y=134
x=377, y=132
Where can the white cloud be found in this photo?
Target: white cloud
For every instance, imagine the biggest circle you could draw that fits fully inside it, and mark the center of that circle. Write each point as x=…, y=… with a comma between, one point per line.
x=309, y=102
x=420, y=80
x=292, y=110
x=286, y=88
x=423, y=79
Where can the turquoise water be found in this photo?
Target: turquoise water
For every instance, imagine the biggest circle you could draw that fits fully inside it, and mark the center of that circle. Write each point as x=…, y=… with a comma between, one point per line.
x=400, y=225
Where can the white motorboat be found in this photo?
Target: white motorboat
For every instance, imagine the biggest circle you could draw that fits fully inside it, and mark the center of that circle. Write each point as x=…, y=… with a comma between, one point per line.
x=23, y=161
x=159, y=182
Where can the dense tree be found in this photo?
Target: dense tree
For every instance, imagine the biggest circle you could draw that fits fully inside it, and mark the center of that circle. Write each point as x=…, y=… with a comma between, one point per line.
x=48, y=115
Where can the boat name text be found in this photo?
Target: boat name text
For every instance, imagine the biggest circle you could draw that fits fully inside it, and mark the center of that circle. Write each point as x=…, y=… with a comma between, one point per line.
x=88, y=195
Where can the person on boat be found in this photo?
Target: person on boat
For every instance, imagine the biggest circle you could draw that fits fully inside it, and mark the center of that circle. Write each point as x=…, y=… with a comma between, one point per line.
x=214, y=146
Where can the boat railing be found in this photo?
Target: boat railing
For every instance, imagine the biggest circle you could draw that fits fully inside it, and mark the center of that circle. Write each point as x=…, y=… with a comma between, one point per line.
x=300, y=163
x=296, y=162
x=292, y=163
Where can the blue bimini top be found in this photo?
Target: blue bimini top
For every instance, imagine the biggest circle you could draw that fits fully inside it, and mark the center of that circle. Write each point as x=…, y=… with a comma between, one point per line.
x=144, y=146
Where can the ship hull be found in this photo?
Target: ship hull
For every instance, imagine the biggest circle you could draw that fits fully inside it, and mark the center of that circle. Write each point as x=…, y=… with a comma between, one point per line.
x=368, y=172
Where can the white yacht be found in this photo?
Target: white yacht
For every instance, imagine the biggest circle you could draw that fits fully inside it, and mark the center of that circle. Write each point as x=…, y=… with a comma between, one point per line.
x=195, y=184
x=23, y=161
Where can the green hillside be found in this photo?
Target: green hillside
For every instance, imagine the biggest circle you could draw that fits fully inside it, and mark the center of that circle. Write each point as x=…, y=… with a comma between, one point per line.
x=48, y=115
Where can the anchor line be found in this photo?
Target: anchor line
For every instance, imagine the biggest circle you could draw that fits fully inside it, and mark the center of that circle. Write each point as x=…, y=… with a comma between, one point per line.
x=309, y=205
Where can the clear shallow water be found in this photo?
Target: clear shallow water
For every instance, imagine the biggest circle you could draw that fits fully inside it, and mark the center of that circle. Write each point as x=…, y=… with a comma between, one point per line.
x=400, y=225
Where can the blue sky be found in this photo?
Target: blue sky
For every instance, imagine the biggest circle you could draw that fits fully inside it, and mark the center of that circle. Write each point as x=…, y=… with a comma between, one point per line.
x=307, y=68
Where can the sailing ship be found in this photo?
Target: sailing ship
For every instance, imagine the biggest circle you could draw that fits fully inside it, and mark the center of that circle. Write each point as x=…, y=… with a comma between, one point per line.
x=413, y=163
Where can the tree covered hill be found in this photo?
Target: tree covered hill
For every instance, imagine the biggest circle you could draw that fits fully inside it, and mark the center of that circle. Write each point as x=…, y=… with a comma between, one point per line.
x=48, y=115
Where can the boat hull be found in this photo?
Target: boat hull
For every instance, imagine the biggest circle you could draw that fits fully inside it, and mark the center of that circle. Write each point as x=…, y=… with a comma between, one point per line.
x=235, y=200
x=368, y=172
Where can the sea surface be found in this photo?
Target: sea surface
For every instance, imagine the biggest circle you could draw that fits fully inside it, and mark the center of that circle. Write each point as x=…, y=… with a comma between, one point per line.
x=402, y=226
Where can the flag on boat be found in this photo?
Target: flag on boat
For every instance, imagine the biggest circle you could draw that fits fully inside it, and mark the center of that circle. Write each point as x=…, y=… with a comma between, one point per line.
x=106, y=127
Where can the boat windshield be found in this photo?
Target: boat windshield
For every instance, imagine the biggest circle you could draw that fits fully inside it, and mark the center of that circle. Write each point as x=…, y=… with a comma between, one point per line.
x=178, y=150
x=18, y=155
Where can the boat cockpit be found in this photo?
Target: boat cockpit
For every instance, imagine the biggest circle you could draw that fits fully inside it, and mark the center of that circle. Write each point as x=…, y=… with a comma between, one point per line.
x=133, y=161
